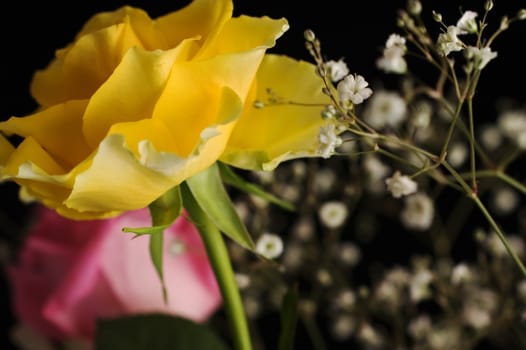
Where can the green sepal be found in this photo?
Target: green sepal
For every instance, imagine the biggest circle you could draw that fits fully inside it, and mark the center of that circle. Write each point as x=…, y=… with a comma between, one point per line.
x=233, y=179
x=155, y=332
x=163, y=211
x=289, y=319
x=209, y=192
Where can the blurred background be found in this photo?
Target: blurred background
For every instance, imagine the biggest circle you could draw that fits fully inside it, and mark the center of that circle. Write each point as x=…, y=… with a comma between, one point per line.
x=32, y=31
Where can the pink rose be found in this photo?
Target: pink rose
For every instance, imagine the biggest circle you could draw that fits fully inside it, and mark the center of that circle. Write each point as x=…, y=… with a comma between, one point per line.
x=70, y=273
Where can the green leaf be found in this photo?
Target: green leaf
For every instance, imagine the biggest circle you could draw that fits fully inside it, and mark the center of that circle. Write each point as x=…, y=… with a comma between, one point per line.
x=155, y=332
x=140, y=231
x=163, y=211
x=208, y=190
x=289, y=319
x=233, y=179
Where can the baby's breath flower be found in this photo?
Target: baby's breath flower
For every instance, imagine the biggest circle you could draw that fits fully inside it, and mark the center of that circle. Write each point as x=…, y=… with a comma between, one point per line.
x=324, y=181
x=449, y=42
x=393, y=60
x=461, y=274
x=491, y=137
x=349, y=253
x=467, y=23
x=328, y=140
x=420, y=327
x=421, y=114
x=479, y=58
x=386, y=108
x=419, y=285
x=521, y=14
x=400, y=185
x=353, y=89
x=418, y=212
x=513, y=124
x=242, y=280
x=269, y=245
x=376, y=171
x=457, y=154
x=343, y=327
x=252, y=307
x=505, y=200
x=395, y=40
x=337, y=69
x=333, y=214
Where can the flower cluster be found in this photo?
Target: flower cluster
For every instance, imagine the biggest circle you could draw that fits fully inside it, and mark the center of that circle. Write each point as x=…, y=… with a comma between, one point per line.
x=394, y=220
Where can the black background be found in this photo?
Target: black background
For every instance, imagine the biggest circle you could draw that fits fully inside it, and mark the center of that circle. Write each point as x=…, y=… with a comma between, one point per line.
x=356, y=30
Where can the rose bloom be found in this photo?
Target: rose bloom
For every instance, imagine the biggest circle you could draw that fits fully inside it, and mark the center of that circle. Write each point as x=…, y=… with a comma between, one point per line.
x=71, y=273
x=133, y=106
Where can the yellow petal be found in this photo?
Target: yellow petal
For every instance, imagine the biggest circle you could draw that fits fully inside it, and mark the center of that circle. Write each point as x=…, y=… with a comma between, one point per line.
x=5, y=151
x=117, y=180
x=242, y=34
x=57, y=129
x=141, y=24
x=131, y=92
x=192, y=97
x=201, y=18
x=79, y=70
x=265, y=137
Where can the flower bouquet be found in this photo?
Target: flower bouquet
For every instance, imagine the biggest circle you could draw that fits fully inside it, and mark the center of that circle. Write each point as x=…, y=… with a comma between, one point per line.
x=188, y=188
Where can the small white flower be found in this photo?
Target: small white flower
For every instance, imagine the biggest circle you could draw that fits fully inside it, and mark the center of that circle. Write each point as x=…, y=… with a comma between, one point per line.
x=461, y=274
x=513, y=125
x=377, y=171
x=497, y=248
x=345, y=300
x=418, y=212
x=479, y=58
x=421, y=114
x=449, y=42
x=337, y=69
x=420, y=327
x=343, y=327
x=505, y=200
x=349, y=253
x=328, y=140
x=395, y=40
x=457, y=154
x=419, y=285
x=333, y=214
x=269, y=245
x=491, y=137
x=386, y=108
x=242, y=280
x=392, y=60
x=400, y=185
x=467, y=23
x=324, y=180
x=353, y=89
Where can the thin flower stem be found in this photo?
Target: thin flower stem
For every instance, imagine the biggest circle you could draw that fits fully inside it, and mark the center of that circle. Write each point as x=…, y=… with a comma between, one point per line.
x=472, y=145
x=487, y=215
x=499, y=233
x=511, y=181
x=450, y=131
x=510, y=157
x=220, y=261
x=500, y=175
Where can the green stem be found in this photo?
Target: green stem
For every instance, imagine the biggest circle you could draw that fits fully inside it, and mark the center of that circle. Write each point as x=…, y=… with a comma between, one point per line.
x=487, y=215
x=220, y=261
x=499, y=233
x=472, y=145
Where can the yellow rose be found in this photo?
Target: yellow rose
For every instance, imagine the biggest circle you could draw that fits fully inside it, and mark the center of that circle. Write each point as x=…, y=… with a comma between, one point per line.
x=134, y=106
